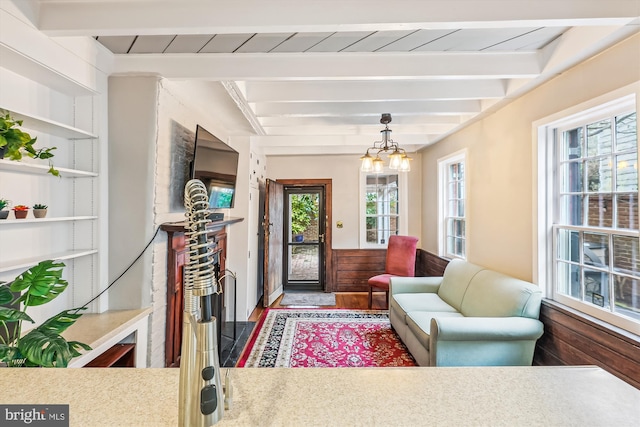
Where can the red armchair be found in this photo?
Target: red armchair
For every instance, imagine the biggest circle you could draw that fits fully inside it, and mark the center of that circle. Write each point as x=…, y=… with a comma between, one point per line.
x=400, y=261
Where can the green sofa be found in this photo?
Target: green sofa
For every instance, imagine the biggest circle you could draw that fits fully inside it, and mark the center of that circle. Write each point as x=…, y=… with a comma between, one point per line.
x=472, y=316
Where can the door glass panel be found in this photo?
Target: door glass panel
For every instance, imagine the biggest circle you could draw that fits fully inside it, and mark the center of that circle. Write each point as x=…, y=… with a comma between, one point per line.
x=305, y=244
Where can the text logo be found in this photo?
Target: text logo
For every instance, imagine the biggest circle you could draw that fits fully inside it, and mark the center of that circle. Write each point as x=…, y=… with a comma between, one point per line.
x=34, y=415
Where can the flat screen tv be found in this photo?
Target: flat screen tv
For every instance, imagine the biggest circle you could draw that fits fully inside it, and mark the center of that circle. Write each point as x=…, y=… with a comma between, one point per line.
x=216, y=165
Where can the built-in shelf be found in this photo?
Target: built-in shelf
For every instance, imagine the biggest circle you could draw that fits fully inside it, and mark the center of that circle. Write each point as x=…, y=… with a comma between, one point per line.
x=32, y=168
x=25, y=263
x=39, y=72
x=51, y=219
x=51, y=127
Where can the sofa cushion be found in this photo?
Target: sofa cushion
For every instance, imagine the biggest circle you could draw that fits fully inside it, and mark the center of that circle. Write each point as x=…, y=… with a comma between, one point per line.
x=492, y=294
x=455, y=281
x=419, y=323
x=404, y=303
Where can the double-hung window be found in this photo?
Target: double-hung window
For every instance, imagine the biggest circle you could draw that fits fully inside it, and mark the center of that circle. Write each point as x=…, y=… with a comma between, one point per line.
x=452, y=209
x=383, y=207
x=593, y=250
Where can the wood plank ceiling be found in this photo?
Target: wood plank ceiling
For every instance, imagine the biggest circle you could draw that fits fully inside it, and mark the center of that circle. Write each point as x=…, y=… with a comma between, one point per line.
x=312, y=77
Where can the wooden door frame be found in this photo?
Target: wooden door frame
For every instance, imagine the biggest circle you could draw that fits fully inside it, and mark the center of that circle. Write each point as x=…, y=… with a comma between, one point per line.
x=328, y=229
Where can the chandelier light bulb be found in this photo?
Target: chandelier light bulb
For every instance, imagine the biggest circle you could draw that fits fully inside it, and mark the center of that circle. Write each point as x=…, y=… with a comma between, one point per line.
x=367, y=163
x=378, y=165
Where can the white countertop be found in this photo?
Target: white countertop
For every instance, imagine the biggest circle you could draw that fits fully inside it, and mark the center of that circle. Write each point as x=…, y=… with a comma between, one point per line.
x=509, y=396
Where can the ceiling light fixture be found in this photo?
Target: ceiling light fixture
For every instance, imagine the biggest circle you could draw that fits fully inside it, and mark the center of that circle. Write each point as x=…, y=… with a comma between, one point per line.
x=398, y=158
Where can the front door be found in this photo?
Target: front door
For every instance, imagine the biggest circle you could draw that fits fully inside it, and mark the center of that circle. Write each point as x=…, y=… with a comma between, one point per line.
x=273, y=242
x=304, y=238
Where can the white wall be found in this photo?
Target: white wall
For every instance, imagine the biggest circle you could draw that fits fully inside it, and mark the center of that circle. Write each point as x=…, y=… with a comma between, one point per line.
x=146, y=113
x=344, y=171
x=501, y=165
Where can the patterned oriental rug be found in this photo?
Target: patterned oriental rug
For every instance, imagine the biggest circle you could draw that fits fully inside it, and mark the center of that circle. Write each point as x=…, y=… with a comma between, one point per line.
x=305, y=338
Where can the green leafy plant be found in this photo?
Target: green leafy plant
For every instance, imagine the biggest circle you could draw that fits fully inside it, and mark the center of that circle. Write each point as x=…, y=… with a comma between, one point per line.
x=4, y=203
x=43, y=345
x=304, y=208
x=40, y=206
x=17, y=143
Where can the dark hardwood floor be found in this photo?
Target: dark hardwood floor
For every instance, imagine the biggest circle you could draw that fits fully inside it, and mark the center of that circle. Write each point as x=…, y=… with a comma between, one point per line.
x=353, y=300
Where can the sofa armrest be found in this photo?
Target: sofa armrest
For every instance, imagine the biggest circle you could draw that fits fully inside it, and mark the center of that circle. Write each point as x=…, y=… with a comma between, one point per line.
x=483, y=341
x=412, y=285
x=485, y=328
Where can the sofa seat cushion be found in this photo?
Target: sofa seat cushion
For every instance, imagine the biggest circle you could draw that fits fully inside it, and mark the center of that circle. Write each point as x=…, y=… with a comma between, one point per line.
x=404, y=303
x=419, y=323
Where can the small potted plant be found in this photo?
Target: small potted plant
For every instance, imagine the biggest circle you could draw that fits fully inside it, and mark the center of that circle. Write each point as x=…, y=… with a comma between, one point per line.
x=39, y=210
x=14, y=143
x=43, y=345
x=20, y=211
x=3, y=204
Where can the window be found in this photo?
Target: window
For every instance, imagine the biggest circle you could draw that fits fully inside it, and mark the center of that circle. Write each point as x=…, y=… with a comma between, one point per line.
x=592, y=252
x=452, y=198
x=384, y=208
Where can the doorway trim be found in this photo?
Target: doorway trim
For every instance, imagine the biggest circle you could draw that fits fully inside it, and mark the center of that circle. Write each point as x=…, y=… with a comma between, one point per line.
x=328, y=253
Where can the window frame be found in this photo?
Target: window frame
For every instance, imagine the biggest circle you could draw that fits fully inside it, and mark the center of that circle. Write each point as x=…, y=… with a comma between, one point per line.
x=443, y=196
x=403, y=206
x=545, y=132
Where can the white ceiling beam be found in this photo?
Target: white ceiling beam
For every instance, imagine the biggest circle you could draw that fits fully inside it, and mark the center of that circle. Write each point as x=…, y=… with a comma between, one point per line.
x=397, y=119
x=299, y=91
x=340, y=109
x=408, y=142
x=326, y=66
x=372, y=130
x=116, y=17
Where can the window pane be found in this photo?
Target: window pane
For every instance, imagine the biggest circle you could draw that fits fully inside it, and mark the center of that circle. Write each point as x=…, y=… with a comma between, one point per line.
x=453, y=208
x=568, y=245
x=571, y=208
x=572, y=177
x=600, y=210
x=461, y=208
x=571, y=144
x=599, y=175
x=626, y=129
x=599, y=138
x=451, y=245
x=625, y=254
x=627, y=296
x=459, y=246
x=596, y=287
x=568, y=279
x=627, y=172
x=627, y=210
x=596, y=249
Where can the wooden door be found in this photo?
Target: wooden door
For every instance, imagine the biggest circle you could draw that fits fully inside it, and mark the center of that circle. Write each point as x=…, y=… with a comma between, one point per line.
x=273, y=242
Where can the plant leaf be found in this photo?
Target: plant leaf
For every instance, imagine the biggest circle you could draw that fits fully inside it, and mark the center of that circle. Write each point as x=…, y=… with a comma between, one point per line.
x=6, y=296
x=40, y=284
x=12, y=315
x=44, y=346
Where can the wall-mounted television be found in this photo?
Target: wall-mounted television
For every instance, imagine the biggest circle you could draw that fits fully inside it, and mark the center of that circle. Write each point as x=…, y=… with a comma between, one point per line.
x=216, y=165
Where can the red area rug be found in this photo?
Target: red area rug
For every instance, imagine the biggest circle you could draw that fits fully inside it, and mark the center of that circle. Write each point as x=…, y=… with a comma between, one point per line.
x=305, y=338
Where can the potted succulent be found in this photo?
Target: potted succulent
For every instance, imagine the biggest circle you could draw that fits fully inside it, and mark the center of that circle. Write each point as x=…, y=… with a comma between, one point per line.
x=43, y=345
x=20, y=211
x=40, y=210
x=14, y=143
x=3, y=204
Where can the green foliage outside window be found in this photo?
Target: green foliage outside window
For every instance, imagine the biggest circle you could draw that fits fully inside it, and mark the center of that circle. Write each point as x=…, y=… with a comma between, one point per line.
x=304, y=208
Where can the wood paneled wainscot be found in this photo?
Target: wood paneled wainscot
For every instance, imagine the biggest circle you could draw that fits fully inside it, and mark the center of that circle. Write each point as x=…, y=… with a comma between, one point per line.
x=177, y=257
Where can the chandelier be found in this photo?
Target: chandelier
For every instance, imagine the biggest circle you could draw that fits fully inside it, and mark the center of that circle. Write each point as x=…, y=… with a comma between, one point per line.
x=398, y=158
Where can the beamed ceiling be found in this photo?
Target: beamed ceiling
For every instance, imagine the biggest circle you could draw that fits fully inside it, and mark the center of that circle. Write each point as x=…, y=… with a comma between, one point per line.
x=310, y=76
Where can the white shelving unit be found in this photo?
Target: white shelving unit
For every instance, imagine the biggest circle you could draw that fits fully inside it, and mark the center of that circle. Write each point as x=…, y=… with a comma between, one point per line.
x=62, y=112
